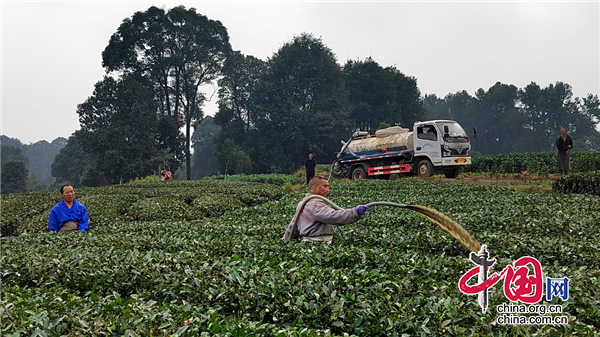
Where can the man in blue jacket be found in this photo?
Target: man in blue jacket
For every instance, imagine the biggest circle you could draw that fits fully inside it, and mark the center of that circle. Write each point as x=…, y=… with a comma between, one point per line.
x=69, y=214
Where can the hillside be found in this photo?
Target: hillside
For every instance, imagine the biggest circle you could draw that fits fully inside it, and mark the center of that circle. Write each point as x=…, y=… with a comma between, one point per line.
x=40, y=154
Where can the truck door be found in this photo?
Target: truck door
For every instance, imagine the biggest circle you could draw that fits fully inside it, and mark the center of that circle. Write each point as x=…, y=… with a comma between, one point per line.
x=426, y=141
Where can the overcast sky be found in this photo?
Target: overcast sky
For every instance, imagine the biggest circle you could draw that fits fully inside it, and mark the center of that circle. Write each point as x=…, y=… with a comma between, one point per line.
x=51, y=51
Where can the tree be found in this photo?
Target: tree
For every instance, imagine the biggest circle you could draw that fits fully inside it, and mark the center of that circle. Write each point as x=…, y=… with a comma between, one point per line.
x=435, y=107
x=560, y=108
x=10, y=153
x=548, y=109
x=381, y=94
x=500, y=116
x=14, y=142
x=180, y=51
x=586, y=135
x=241, y=75
x=14, y=177
x=521, y=120
x=71, y=161
x=231, y=159
x=300, y=105
x=204, y=160
x=34, y=183
x=118, y=130
x=458, y=106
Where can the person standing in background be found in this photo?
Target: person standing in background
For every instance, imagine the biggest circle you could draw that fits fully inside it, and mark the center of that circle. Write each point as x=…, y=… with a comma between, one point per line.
x=310, y=168
x=564, y=144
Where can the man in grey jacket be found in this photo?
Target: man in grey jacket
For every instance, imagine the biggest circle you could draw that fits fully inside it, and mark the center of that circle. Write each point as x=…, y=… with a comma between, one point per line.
x=317, y=219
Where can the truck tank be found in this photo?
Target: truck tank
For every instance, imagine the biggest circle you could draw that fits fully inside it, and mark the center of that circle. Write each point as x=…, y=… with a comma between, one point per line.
x=394, y=138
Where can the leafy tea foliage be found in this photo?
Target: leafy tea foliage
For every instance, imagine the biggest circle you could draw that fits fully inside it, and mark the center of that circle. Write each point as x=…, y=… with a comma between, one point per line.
x=539, y=163
x=390, y=274
x=276, y=178
x=139, y=201
x=588, y=182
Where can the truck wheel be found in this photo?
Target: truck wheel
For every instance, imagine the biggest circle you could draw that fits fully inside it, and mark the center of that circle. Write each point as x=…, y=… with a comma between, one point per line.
x=358, y=174
x=425, y=169
x=452, y=173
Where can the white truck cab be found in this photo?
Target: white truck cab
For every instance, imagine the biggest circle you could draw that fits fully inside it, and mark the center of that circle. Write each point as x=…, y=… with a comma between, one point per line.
x=443, y=142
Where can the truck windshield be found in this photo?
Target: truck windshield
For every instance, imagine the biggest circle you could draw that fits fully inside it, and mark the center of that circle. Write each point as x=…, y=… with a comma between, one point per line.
x=454, y=129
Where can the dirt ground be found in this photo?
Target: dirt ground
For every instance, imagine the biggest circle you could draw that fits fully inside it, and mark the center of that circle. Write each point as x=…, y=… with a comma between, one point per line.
x=523, y=179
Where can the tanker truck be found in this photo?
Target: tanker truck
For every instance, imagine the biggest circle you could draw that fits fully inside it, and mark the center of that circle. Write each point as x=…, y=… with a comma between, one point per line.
x=437, y=146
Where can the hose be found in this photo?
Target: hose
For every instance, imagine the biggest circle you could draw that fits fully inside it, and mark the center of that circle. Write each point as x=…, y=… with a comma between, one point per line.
x=438, y=218
x=331, y=170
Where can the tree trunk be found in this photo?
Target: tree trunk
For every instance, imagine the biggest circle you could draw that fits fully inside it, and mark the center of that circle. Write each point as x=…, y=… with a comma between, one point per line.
x=188, y=172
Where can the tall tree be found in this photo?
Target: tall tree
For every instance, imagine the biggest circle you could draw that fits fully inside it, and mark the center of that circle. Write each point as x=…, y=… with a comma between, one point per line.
x=241, y=75
x=435, y=107
x=561, y=109
x=180, y=50
x=500, y=115
x=11, y=154
x=38, y=156
x=204, y=160
x=118, y=130
x=381, y=94
x=548, y=109
x=300, y=105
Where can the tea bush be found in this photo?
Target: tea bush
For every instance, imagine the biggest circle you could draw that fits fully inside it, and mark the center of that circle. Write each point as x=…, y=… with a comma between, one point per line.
x=139, y=201
x=390, y=274
x=578, y=183
x=276, y=179
x=539, y=163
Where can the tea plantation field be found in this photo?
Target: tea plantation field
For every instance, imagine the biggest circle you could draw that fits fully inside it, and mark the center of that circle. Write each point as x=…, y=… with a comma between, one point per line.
x=207, y=258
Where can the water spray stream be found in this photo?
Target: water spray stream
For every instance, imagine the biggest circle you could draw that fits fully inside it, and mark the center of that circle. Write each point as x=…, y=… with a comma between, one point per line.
x=438, y=218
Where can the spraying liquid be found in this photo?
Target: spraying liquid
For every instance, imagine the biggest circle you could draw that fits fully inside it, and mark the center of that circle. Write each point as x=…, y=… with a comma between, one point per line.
x=447, y=224
x=438, y=218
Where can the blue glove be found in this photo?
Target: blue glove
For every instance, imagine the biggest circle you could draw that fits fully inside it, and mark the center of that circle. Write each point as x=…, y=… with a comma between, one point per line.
x=362, y=209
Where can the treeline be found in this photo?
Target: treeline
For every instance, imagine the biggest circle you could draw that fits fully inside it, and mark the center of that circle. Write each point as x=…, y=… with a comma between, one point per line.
x=26, y=167
x=272, y=113
x=513, y=120
x=301, y=101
